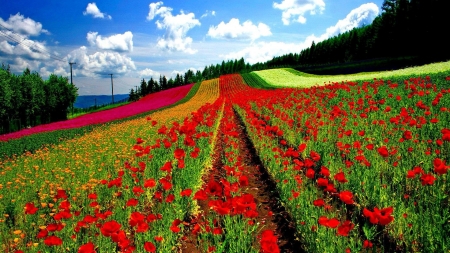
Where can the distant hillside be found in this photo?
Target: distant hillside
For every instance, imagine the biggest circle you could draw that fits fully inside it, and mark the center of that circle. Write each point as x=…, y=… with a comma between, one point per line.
x=91, y=100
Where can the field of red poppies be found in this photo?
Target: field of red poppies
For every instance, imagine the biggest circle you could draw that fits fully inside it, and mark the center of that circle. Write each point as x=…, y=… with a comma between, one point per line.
x=344, y=167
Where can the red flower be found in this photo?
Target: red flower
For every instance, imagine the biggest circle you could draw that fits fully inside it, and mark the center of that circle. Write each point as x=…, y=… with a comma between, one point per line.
x=330, y=223
x=186, y=192
x=87, y=248
x=302, y=147
x=139, y=140
x=214, y=188
x=30, y=208
x=346, y=197
x=427, y=179
x=165, y=184
x=345, y=228
x=310, y=173
x=167, y=167
x=340, y=177
x=445, y=134
x=53, y=241
x=149, y=247
x=382, y=217
x=92, y=196
x=440, y=167
x=318, y=202
x=200, y=195
x=149, y=183
x=110, y=227
x=383, y=151
x=179, y=153
x=367, y=244
x=243, y=180
x=268, y=242
x=132, y=202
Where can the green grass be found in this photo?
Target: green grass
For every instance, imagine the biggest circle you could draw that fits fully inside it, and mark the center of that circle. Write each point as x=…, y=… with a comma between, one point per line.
x=292, y=78
x=102, y=108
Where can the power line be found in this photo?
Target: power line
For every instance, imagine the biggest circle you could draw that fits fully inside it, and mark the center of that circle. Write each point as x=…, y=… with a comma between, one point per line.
x=26, y=43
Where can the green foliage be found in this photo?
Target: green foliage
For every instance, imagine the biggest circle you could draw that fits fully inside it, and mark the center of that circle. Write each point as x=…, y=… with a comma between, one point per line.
x=28, y=100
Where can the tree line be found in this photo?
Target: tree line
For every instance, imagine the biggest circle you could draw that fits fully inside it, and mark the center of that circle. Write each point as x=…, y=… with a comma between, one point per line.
x=209, y=72
x=28, y=100
x=405, y=28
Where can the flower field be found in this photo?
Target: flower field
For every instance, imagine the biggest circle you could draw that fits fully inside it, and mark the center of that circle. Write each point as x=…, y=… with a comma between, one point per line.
x=343, y=167
x=148, y=103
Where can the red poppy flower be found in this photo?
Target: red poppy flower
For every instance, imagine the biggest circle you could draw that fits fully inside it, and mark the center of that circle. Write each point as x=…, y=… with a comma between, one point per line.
x=87, y=248
x=186, y=192
x=445, y=134
x=345, y=228
x=382, y=217
x=179, y=153
x=110, y=227
x=200, y=195
x=149, y=183
x=310, y=173
x=346, y=197
x=340, y=177
x=427, y=179
x=318, y=202
x=53, y=241
x=61, y=194
x=383, y=151
x=439, y=166
x=92, y=196
x=214, y=188
x=165, y=184
x=268, y=242
x=367, y=244
x=170, y=198
x=30, y=208
x=149, y=247
x=243, y=180
x=132, y=202
x=167, y=167
x=325, y=171
x=302, y=147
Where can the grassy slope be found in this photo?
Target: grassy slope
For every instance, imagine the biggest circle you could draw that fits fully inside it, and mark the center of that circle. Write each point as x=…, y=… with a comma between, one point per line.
x=293, y=78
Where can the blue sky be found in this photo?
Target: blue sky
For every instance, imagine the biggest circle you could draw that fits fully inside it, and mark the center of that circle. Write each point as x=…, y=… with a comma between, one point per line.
x=142, y=39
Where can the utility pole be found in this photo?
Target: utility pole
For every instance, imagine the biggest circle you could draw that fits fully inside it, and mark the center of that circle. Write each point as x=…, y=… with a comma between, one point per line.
x=71, y=80
x=71, y=63
x=112, y=88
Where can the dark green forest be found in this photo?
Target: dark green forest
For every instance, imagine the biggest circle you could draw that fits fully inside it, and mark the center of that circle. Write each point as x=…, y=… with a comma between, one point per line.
x=28, y=100
x=406, y=33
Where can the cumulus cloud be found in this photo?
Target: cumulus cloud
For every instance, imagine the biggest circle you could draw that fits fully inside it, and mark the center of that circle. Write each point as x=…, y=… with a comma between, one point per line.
x=148, y=73
x=234, y=30
x=264, y=51
x=27, y=49
x=175, y=37
x=93, y=10
x=100, y=62
x=362, y=15
x=295, y=10
x=117, y=42
x=208, y=13
x=24, y=26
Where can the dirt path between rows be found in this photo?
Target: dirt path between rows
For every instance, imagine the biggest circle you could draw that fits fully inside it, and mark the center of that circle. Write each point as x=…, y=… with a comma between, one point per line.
x=272, y=215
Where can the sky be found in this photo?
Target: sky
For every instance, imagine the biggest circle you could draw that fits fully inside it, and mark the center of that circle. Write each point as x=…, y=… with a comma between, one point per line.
x=135, y=40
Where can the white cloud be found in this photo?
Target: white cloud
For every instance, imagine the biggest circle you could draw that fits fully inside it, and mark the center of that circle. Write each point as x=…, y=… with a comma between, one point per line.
x=175, y=37
x=92, y=9
x=234, y=30
x=264, y=51
x=364, y=14
x=100, y=62
x=117, y=42
x=27, y=48
x=295, y=10
x=148, y=73
x=24, y=26
x=208, y=13
x=7, y=48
